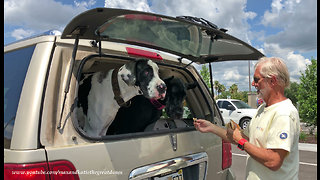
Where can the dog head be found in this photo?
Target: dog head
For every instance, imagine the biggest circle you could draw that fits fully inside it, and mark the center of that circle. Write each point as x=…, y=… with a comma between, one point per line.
x=176, y=93
x=145, y=74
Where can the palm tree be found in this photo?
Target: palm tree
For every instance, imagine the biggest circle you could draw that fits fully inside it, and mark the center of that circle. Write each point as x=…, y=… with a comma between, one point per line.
x=216, y=86
x=221, y=88
x=233, y=89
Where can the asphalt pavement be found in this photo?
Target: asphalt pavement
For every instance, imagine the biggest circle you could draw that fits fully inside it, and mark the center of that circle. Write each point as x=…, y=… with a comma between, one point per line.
x=307, y=164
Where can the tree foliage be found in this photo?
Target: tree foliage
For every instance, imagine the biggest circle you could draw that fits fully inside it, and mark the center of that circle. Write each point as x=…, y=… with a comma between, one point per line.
x=205, y=74
x=307, y=94
x=220, y=89
x=233, y=89
x=291, y=92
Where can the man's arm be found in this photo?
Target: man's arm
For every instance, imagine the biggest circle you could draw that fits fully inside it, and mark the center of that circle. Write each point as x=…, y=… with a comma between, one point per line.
x=205, y=126
x=271, y=158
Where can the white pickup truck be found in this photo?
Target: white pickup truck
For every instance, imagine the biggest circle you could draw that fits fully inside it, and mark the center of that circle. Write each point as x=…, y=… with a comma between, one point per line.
x=237, y=110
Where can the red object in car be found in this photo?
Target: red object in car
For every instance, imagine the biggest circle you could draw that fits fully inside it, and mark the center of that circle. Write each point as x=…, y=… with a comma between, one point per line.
x=58, y=170
x=143, y=17
x=143, y=53
x=226, y=155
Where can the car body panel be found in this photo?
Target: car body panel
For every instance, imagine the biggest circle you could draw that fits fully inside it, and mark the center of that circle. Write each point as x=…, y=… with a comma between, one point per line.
x=24, y=156
x=22, y=137
x=129, y=154
x=125, y=153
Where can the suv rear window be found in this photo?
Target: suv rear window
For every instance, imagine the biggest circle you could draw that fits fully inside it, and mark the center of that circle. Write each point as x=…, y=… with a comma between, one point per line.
x=15, y=68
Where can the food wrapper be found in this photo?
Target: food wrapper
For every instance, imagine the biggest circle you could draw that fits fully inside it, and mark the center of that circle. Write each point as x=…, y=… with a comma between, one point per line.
x=233, y=125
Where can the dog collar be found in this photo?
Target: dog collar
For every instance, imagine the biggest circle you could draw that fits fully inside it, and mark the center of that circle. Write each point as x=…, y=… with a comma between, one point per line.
x=116, y=88
x=157, y=104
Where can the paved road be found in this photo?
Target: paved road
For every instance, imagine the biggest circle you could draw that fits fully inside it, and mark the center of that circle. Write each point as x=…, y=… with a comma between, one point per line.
x=307, y=168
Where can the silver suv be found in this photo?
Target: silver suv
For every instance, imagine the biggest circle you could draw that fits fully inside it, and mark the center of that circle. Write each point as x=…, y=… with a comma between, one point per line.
x=42, y=135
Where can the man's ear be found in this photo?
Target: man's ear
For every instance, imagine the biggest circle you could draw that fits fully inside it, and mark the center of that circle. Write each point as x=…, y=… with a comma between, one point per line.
x=274, y=80
x=128, y=73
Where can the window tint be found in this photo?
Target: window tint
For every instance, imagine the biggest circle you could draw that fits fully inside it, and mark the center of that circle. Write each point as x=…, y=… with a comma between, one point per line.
x=220, y=104
x=225, y=104
x=241, y=105
x=15, y=68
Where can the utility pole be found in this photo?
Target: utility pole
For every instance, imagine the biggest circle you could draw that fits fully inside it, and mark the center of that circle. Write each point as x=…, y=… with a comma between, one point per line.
x=249, y=77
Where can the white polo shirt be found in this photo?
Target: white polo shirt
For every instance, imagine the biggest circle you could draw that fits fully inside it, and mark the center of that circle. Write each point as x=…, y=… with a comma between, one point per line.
x=275, y=127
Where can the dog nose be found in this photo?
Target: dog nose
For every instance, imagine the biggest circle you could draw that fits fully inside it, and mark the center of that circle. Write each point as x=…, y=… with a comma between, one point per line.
x=162, y=88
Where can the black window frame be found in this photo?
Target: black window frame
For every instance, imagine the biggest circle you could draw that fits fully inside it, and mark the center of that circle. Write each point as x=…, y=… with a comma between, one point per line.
x=18, y=62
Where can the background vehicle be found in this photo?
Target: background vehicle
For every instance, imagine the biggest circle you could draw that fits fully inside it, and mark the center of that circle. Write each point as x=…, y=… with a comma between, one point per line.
x=42, y=137
x=237, y=110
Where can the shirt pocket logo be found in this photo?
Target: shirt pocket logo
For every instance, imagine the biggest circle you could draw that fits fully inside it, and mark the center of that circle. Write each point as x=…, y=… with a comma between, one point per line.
x=283, y=135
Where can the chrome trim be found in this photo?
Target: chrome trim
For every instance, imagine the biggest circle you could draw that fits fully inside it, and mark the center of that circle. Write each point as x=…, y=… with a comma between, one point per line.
x=167, y=166
x=174, y=141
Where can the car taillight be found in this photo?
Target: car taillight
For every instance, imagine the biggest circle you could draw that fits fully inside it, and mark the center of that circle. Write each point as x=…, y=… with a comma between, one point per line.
x=26, y=171
x=143, y=53
x=63, y=170
x=58, y=170
x=226, y=155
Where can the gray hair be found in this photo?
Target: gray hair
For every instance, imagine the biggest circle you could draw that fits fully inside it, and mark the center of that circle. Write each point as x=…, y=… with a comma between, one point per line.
x=274, y=66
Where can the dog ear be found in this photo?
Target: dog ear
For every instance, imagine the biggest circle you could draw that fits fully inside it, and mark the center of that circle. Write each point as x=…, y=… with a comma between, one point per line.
x=191, y=85
x=167, y=80
x=128, y=73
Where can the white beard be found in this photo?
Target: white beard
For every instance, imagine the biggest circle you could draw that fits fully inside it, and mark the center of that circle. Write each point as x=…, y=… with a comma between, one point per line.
x=263, y=93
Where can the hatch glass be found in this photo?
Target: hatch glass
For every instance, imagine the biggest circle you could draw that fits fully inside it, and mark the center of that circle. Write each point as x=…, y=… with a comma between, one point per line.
x=173, y=35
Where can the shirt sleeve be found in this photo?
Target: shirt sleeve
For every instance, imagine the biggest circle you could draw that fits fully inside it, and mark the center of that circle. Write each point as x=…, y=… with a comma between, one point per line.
x=281, y=133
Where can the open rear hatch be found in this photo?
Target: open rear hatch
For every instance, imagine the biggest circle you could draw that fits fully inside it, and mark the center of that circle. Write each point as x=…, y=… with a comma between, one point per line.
x=195, y=39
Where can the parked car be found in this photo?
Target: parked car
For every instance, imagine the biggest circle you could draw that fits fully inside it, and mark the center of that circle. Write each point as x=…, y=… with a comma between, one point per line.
x=42, y=137
x=236, y=110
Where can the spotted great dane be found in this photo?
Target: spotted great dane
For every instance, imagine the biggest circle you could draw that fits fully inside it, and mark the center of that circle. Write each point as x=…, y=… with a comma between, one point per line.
x=108, y=91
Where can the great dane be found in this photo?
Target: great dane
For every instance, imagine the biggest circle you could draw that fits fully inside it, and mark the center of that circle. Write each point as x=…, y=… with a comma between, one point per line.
x=113, y=89
x=143, y=111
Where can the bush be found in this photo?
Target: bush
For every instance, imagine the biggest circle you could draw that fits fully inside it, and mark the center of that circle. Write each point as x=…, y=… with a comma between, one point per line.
x=303, y=136
x=307, y=95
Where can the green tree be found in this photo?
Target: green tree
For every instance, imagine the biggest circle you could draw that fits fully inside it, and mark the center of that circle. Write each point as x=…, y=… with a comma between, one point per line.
x=291, y=92
x=224, y=95
x=307, y=95
x=205, y=74
x=216, y=85
x=233, y=89
x=221, y=88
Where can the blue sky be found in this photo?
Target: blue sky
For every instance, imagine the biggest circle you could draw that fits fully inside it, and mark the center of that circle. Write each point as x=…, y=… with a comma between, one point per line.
x=282, y=28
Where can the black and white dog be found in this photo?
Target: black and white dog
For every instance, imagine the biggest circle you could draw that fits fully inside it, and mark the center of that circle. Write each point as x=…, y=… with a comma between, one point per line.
x=143, y=111
x=101, y=93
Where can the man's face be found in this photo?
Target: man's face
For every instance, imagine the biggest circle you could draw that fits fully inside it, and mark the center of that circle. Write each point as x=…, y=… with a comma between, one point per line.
x=261, y=84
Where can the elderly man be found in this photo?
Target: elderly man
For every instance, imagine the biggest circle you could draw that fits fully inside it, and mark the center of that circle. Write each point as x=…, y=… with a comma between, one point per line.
x=271, y=140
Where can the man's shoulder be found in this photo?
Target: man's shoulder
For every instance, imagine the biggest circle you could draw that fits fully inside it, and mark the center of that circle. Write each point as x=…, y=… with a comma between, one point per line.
x=286, y=108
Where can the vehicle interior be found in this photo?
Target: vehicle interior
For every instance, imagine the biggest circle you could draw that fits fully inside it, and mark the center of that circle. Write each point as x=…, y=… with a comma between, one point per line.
x=193, y=105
